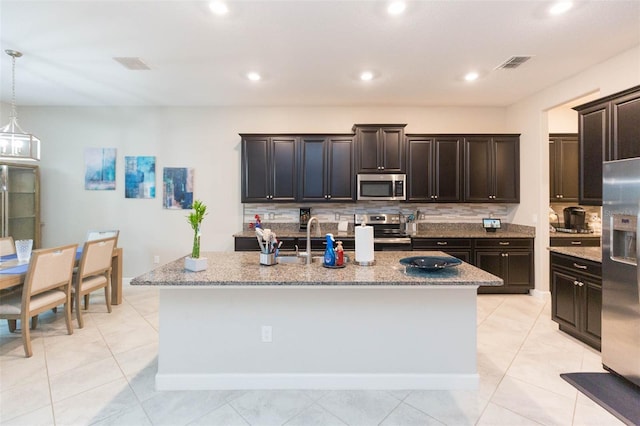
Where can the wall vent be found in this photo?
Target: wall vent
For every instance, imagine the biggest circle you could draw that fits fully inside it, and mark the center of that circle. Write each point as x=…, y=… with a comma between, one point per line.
x=513, y=62
x=132, y=63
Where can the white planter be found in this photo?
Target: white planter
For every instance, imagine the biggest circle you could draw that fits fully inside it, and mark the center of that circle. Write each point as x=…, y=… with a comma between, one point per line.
x=195, y=265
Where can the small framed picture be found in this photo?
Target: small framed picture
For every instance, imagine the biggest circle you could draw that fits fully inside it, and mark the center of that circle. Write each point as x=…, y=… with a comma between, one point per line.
x=490, y=225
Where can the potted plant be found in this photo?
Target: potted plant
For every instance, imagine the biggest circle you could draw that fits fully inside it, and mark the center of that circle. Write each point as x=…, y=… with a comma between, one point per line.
x=195, y=262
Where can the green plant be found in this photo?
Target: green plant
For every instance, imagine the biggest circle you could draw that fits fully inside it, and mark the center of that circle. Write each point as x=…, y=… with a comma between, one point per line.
x=195, y=218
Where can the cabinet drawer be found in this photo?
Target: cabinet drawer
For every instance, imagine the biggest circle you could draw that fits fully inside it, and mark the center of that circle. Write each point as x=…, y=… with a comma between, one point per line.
x=574, y=242
x=440, y=243
x=576, y=265
x=504, y=243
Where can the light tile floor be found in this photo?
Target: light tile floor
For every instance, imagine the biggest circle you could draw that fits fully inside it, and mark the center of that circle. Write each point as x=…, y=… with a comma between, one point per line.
x=103, y=374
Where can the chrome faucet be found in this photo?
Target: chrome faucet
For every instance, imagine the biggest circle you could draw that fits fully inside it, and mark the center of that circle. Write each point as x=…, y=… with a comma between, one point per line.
x=309, y=236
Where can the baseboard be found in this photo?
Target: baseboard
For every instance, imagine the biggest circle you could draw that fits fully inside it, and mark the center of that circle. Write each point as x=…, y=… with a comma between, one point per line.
x=539, y=294
x=165, y=382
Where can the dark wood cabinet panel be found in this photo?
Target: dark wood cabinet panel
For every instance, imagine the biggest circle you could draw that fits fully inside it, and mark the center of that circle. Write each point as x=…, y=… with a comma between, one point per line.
x=608, y=129
x=327, y=170
x=576, y=297
x=511, y=259
x=283, y=168
x=625, y=126
x=563, y=167
x=255, y=169
x=380, y=148
x=434, y=169
x=456, y=247
x=574, y=241
x=492, y=169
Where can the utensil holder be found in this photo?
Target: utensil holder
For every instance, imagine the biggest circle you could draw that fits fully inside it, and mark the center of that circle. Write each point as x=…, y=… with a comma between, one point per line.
x=267, y=259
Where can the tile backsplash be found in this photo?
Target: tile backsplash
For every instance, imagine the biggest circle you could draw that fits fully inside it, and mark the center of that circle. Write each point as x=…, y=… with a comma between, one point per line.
x=335, y=212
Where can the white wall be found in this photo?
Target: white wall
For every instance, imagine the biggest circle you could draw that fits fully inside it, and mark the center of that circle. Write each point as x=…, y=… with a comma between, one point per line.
x=530, y=117
x=203, y=138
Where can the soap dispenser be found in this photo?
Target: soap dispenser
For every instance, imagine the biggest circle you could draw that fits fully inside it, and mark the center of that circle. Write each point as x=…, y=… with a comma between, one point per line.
x=339, y=254
x=329, y=252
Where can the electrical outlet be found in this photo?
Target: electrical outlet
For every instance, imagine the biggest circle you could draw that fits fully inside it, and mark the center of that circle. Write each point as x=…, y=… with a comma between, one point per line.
x=267, y=334
x=422, y=216
x=156, y=259
x=272, y=216
x=337, y=217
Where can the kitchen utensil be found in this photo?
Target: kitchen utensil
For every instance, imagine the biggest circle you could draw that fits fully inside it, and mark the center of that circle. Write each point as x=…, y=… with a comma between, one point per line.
x=430, y=263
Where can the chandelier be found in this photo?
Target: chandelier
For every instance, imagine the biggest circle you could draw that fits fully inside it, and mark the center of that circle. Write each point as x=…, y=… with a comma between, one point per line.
x=15, y=143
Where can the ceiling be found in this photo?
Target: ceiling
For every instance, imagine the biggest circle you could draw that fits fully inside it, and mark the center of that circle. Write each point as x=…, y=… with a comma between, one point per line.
x=309, y=52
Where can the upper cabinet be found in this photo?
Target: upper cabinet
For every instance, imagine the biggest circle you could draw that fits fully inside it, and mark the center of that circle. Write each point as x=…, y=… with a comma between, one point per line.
x=434, y=168
x=380, y=148
x=563, y=167
x=269, y=168
x=492, y=168
x=327, y=168
x=608, y=129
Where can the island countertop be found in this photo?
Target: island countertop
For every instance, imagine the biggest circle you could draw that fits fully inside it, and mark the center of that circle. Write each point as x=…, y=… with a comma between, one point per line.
x=227, y=269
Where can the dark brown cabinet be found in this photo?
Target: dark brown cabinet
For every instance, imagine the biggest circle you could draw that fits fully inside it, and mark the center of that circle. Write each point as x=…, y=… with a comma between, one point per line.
x=576, y=241
x=380, y=148
x=326, y=168
x=510, y=259
x=608, y=129
x=563, y=167
x=576, y=294
x=492, y=169
x=269, y=168
x=434, y=169
x=456, y=247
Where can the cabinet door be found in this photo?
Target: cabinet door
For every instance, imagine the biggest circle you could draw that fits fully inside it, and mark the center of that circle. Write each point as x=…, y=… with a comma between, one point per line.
x=506, y=170
x=564, y=305
x=340, y=169
x=492, y=262
x=255, y=169
x=420, y=159
x=312, y=168
x=368, y=150
x=447, y=169
x=593, y=125
x=478, y=164
x=592, y=309
x=554, y=165
x=625, y=118
x=568, y=168
x=284, y=184
x=519, y=269
x=392, y=150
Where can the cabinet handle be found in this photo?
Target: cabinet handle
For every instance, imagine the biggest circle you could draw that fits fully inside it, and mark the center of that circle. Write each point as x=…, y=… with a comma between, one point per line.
x=435, y=196
x=504, y=243
x=575, y=282
x=576, y=243
x=329, y=197
x=442, y=243
x=561, y=196
x=580, y=283
x=579, y=266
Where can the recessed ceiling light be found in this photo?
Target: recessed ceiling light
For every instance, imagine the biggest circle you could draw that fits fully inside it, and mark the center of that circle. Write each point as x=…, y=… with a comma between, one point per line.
x=396, y=7
x=218, y=7
x=366, y=76
x=254, y=76
x=471, y=76
x=560, y=7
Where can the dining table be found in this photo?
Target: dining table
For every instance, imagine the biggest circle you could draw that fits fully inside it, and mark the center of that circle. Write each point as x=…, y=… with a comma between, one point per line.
x=13, y=272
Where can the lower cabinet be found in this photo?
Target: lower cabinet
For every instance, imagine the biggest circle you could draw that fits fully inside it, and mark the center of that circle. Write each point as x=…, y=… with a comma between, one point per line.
x=510, y=259
x=576, y=295
x=456, y=247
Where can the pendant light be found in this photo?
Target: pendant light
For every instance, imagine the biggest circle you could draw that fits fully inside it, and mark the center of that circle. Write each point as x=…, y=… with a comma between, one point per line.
x=15, y=143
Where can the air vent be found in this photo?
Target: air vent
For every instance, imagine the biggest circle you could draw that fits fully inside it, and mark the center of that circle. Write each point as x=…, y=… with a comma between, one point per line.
x=513, y=62
x=134, y=64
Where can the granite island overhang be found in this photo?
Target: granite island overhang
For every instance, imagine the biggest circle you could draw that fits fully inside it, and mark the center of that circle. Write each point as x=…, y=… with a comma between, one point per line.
x=241, y=325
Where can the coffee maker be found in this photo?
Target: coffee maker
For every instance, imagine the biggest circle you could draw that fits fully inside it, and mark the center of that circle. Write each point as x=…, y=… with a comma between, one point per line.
x=574, y=218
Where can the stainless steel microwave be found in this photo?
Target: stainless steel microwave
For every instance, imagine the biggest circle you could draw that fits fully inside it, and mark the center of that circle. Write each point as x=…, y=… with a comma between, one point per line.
x=382, y=187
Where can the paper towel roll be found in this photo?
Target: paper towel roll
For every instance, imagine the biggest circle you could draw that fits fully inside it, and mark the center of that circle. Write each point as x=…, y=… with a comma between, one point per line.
x=364, y=244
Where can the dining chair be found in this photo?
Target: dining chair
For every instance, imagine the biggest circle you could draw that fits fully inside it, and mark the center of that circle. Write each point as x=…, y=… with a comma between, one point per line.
x=93, y=273
x=99, y=235
x=47, y=284
x=7, y=246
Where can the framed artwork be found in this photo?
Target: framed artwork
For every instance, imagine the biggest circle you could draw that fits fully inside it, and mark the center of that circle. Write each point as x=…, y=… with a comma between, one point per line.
x=139, y=177
x=178, y=188
x=100, y=168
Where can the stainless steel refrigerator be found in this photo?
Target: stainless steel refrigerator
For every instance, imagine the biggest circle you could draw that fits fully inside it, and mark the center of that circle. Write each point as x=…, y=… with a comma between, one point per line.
x=20, y=202
x=620, y=279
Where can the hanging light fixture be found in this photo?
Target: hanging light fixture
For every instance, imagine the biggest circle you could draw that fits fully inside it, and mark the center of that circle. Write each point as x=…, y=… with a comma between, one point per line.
x=15, y=143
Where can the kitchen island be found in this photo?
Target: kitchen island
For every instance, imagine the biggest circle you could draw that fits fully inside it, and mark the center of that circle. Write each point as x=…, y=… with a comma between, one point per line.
x=241, y=325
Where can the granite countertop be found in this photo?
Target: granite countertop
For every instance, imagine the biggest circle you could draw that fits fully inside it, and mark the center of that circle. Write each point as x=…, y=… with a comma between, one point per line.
x=588, y=253
x=435, y=230
x=244, y=269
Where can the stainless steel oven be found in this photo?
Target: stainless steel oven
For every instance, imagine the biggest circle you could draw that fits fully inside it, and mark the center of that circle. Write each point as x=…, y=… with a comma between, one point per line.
x=382, y=187
x=388, y=231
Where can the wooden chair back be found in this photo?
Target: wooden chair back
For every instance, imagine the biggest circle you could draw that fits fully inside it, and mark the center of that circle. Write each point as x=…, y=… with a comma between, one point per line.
x=96, y=257
x=7, y=246
x=99, y=235
x=50, y=269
